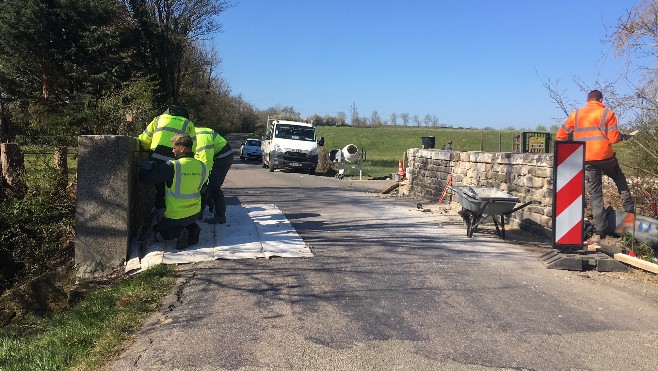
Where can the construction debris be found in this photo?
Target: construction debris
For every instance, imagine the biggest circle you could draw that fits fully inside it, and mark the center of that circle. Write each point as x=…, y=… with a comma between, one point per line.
x=389, y=189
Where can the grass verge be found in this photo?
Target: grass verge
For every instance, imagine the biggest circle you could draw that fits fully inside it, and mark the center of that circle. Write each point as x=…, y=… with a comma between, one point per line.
x=84, y=336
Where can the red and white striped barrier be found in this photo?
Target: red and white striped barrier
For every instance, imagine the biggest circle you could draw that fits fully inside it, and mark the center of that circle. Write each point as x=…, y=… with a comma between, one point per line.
x=569, y=194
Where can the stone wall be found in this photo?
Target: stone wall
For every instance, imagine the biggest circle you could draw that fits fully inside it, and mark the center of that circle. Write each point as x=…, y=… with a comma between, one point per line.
x=527, y=176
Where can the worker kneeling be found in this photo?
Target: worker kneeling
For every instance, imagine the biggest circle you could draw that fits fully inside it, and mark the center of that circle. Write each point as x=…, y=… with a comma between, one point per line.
x=183, y=177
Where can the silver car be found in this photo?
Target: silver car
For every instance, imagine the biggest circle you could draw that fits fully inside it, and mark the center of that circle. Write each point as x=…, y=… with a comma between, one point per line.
x=251, y=150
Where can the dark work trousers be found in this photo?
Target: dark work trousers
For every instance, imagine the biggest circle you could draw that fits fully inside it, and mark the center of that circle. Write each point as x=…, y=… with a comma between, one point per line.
x=171, y=228
x=159, y=196
x=218, y=173
x=594, y=184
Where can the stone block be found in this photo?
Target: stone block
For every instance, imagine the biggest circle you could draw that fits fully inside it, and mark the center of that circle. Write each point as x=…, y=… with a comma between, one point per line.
x=538, y=182
x=486, y=157
x=106, y=182
x=542, y=172
x=465, y=157
x=504, y=158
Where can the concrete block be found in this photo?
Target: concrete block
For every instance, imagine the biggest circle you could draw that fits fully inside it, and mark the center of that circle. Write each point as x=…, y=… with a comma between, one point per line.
x=106, y=179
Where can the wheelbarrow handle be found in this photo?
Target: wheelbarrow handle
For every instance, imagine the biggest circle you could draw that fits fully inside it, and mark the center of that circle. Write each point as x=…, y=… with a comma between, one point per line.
x=533, y=202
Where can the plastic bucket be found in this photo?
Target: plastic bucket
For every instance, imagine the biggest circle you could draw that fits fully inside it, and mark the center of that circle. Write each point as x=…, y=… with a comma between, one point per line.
x=428, y=142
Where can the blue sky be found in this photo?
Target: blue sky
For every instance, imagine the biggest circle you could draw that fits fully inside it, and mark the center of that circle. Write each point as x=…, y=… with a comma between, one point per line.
x=470, y=63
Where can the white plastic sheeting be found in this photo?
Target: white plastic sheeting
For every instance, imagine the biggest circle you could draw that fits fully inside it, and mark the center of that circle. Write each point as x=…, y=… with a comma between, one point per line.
x=250, y=232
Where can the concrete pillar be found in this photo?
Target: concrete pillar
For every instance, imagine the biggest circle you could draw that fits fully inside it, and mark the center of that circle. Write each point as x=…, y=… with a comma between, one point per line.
x=107, y=172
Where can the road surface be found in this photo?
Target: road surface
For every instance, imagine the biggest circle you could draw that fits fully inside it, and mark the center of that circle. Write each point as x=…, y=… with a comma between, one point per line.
x=391, y=288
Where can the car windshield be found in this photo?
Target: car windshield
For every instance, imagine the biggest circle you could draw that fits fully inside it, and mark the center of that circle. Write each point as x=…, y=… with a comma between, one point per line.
x=295, y=132
x=252, y=143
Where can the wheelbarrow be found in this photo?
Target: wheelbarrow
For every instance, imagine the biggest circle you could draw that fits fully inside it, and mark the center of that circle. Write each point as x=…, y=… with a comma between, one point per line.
x=478, y=203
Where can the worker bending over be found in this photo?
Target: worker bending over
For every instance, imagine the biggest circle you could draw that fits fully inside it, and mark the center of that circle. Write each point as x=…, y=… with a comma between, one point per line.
x=213, y=150
x=156, y=138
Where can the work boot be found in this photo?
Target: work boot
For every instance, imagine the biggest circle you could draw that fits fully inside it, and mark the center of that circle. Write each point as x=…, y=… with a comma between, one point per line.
x=183, y=239
x=193, y=234
x=215, y=220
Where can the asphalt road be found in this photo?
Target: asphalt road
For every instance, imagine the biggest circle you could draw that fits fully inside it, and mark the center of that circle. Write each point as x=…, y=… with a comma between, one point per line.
x=391, y=288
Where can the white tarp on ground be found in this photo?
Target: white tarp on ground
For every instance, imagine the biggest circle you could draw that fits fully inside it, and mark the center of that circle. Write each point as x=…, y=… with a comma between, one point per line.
x=250, y=232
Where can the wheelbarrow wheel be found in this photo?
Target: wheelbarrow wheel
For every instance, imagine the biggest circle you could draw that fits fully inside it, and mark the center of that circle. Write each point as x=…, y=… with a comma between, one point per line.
x=470, y=220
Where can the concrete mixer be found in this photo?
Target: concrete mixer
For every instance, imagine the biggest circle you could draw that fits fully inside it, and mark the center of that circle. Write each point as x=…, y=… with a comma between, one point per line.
x=349, y=154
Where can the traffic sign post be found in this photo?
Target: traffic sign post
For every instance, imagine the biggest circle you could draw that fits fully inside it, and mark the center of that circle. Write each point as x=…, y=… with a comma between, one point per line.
x=569, y=214
x=568, y=195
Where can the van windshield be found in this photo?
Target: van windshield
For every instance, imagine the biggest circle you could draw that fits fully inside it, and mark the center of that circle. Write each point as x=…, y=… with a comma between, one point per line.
x=295, y=132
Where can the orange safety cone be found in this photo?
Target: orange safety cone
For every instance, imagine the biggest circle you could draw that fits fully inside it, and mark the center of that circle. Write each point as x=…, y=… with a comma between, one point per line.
x=401, y=170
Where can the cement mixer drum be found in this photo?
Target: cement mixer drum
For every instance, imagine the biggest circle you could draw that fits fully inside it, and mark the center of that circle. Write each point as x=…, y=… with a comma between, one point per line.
x=350, y=153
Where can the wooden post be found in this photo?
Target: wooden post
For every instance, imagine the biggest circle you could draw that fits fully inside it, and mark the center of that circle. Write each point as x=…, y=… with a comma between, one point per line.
x=500, y=141
x=12, y=162
x=61, y=164
x=516, y=143
x=481, y=142
x=4, y=120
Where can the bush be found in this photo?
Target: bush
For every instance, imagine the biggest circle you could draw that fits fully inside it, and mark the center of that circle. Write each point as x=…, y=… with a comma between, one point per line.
x=36, y=233
x=325, y=166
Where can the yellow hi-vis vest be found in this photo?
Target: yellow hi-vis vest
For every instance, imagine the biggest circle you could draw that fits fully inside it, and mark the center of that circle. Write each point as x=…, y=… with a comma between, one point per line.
x=183, y=198
x=157, y=135
x=208, y=144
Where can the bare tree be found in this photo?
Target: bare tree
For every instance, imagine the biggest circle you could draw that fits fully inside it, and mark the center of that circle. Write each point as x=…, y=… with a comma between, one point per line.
x=375, y=119
x=416, y=119
x=341, y=119
x=329, y=120
x=394, y=119
x=558, y=96
x=283, y=113
x=633, y=92
x=405, y=118
x=427, y=120
x=636, y=39
x=435, y=121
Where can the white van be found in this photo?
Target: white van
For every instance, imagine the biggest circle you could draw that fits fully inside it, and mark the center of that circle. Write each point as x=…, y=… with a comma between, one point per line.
x=290, y=145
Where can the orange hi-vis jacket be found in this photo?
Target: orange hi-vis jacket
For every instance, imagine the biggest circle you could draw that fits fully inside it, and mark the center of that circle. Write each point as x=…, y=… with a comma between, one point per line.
x=595, y=125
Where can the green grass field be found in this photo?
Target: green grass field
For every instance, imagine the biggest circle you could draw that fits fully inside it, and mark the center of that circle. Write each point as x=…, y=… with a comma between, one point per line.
x=385, y=146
